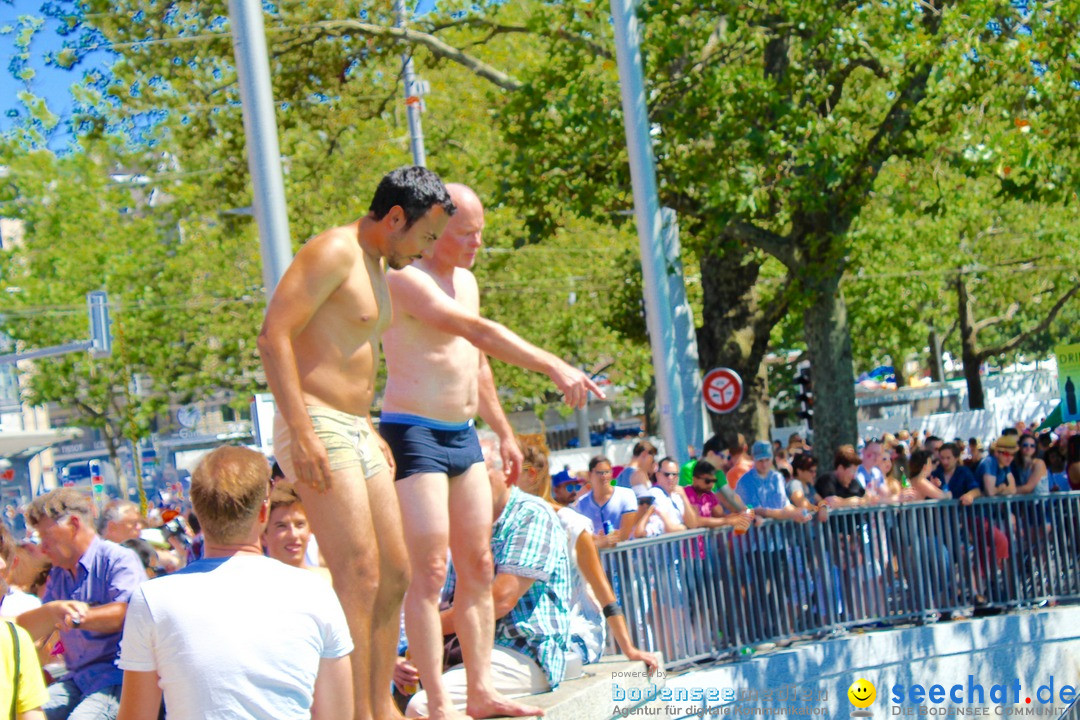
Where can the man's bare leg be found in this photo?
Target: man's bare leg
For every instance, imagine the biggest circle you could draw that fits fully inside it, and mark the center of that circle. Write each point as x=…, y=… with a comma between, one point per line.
x=341, y=519
x=393, y=581
x=474, y=618
x=423, y=500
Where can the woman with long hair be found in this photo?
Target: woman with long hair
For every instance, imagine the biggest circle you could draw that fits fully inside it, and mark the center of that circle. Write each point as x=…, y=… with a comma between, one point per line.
x=920, y=468
x=1030, y=471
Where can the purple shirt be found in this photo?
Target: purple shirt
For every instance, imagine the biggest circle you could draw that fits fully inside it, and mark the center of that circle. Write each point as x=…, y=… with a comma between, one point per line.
x=106, y=573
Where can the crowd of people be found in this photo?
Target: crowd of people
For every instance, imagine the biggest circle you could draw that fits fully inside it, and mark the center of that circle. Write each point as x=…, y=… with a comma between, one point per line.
x=227, y=612
x=734, y=482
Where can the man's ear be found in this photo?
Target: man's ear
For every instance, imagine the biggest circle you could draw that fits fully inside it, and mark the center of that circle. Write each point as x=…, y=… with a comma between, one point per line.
x=396, y=217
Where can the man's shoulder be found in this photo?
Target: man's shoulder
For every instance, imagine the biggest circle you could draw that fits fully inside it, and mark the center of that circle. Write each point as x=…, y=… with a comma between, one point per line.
x=535, y=506
x=337, y=244
x=111, y=554
x=249, y=571
x=623, y=494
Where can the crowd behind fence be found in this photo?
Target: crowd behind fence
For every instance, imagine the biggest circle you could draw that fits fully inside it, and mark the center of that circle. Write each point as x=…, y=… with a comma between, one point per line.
x=707, y=594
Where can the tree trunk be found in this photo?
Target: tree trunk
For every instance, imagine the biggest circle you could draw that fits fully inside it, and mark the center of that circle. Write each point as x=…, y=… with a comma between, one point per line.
x=937, y=367
x=652, y=417
x=969, y=348
x=733, y=335
x=828, y=339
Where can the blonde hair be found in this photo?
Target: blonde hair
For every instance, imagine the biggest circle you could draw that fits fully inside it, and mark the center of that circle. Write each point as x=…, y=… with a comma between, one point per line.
x=534, y=448
x=227, y=488
x=60, y=504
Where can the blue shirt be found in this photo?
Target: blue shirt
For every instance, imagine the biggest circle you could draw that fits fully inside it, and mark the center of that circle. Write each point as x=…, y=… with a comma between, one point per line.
x=989, y=466
x=762, y=492
x=623, y=480
x=1059, y=481
x=106, y=573
x=622, y=501
x=961, y=482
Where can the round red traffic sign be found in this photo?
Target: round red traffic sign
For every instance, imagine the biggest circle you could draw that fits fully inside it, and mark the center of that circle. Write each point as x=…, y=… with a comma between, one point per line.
x=723, y=390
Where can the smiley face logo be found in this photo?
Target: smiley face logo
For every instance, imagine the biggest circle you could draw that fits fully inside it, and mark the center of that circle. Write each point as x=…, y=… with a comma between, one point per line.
x=862, y=693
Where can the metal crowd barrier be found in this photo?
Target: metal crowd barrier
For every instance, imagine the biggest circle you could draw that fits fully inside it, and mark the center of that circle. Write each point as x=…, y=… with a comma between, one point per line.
x=705, y=594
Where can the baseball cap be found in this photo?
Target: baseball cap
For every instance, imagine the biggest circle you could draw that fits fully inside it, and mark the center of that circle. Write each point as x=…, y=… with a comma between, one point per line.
x=562, y=477
x=762, y=450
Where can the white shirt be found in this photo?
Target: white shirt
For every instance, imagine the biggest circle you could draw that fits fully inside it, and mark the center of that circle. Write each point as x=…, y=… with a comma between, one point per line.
x=237, y=637
x=873, y=480
x=587, y=625
x=16, y=602
x=669, y=506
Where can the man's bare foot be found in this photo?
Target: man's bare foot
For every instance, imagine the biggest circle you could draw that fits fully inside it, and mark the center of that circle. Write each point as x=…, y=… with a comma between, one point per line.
x=499, y=706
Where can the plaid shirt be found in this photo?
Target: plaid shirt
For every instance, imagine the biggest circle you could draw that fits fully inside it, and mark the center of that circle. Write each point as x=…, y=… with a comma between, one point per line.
x=529, y=541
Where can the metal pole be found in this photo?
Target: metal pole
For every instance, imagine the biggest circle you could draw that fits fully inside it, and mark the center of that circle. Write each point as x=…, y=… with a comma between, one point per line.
x=647, y=211
x=260, y=129
x=412, y=94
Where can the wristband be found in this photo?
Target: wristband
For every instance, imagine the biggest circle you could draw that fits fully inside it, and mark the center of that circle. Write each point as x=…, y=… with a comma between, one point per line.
x=612, y=609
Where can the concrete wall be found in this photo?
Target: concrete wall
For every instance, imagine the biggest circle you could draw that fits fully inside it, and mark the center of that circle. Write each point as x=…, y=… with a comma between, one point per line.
x=1028, y=647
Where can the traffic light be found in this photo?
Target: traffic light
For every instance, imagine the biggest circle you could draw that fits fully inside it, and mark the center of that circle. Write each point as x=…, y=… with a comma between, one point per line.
x=97, y=303
x=805, y=394
x=97, y=482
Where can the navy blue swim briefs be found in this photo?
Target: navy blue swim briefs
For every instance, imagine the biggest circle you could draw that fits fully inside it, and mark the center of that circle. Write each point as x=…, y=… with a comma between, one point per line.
x=423, y=445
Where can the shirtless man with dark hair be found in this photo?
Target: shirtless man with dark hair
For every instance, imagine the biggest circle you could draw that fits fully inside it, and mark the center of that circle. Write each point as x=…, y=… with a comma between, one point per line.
x=438, y=381
x=319, y=347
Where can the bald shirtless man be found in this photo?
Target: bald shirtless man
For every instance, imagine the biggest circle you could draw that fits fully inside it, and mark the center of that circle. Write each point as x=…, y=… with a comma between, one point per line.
x=319, y=347
x=438, y=380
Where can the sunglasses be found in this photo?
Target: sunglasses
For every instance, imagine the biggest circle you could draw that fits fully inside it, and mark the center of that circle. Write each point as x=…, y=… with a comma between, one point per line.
x=668, y=474
x=571, y=487
x=1027, y=445
x=706, y=479
x=1010, y=453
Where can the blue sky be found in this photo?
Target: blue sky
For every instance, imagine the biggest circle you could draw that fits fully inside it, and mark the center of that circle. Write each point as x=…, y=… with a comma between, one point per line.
x=49, y=82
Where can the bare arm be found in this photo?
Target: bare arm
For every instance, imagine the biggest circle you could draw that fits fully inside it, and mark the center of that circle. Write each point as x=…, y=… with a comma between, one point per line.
x=71, y=615
x=638, y=522
x=140, y=696
x=928, y=490
x=333, y=688
x=506, y=591
x=417, y=294
x=106, y=619
x=1038, y=472
x=588, y=560
x=990, y=485
x=317, y=270
x=491, y=411
x=730, y=500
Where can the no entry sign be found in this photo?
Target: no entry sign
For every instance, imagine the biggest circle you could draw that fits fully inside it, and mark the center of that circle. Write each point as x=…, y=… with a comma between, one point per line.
x=723, y=390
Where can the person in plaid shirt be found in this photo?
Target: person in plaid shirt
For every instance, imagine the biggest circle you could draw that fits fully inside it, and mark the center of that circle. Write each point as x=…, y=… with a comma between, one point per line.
x=531, y=595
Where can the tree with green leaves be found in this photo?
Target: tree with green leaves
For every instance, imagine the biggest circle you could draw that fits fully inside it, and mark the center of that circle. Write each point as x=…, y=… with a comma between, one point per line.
x=943, y=257
x=773, y=122
x=88, y=225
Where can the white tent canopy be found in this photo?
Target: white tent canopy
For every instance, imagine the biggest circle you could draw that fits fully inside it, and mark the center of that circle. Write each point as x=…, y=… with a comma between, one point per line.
x=27, y=443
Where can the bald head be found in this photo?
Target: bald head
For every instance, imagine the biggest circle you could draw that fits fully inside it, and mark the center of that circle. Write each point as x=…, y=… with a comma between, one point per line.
x=461, y=240
x=464, y=195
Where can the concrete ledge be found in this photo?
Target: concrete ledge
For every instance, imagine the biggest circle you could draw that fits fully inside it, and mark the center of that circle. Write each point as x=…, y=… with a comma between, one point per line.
x=589, y=696
x=1029, y=647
